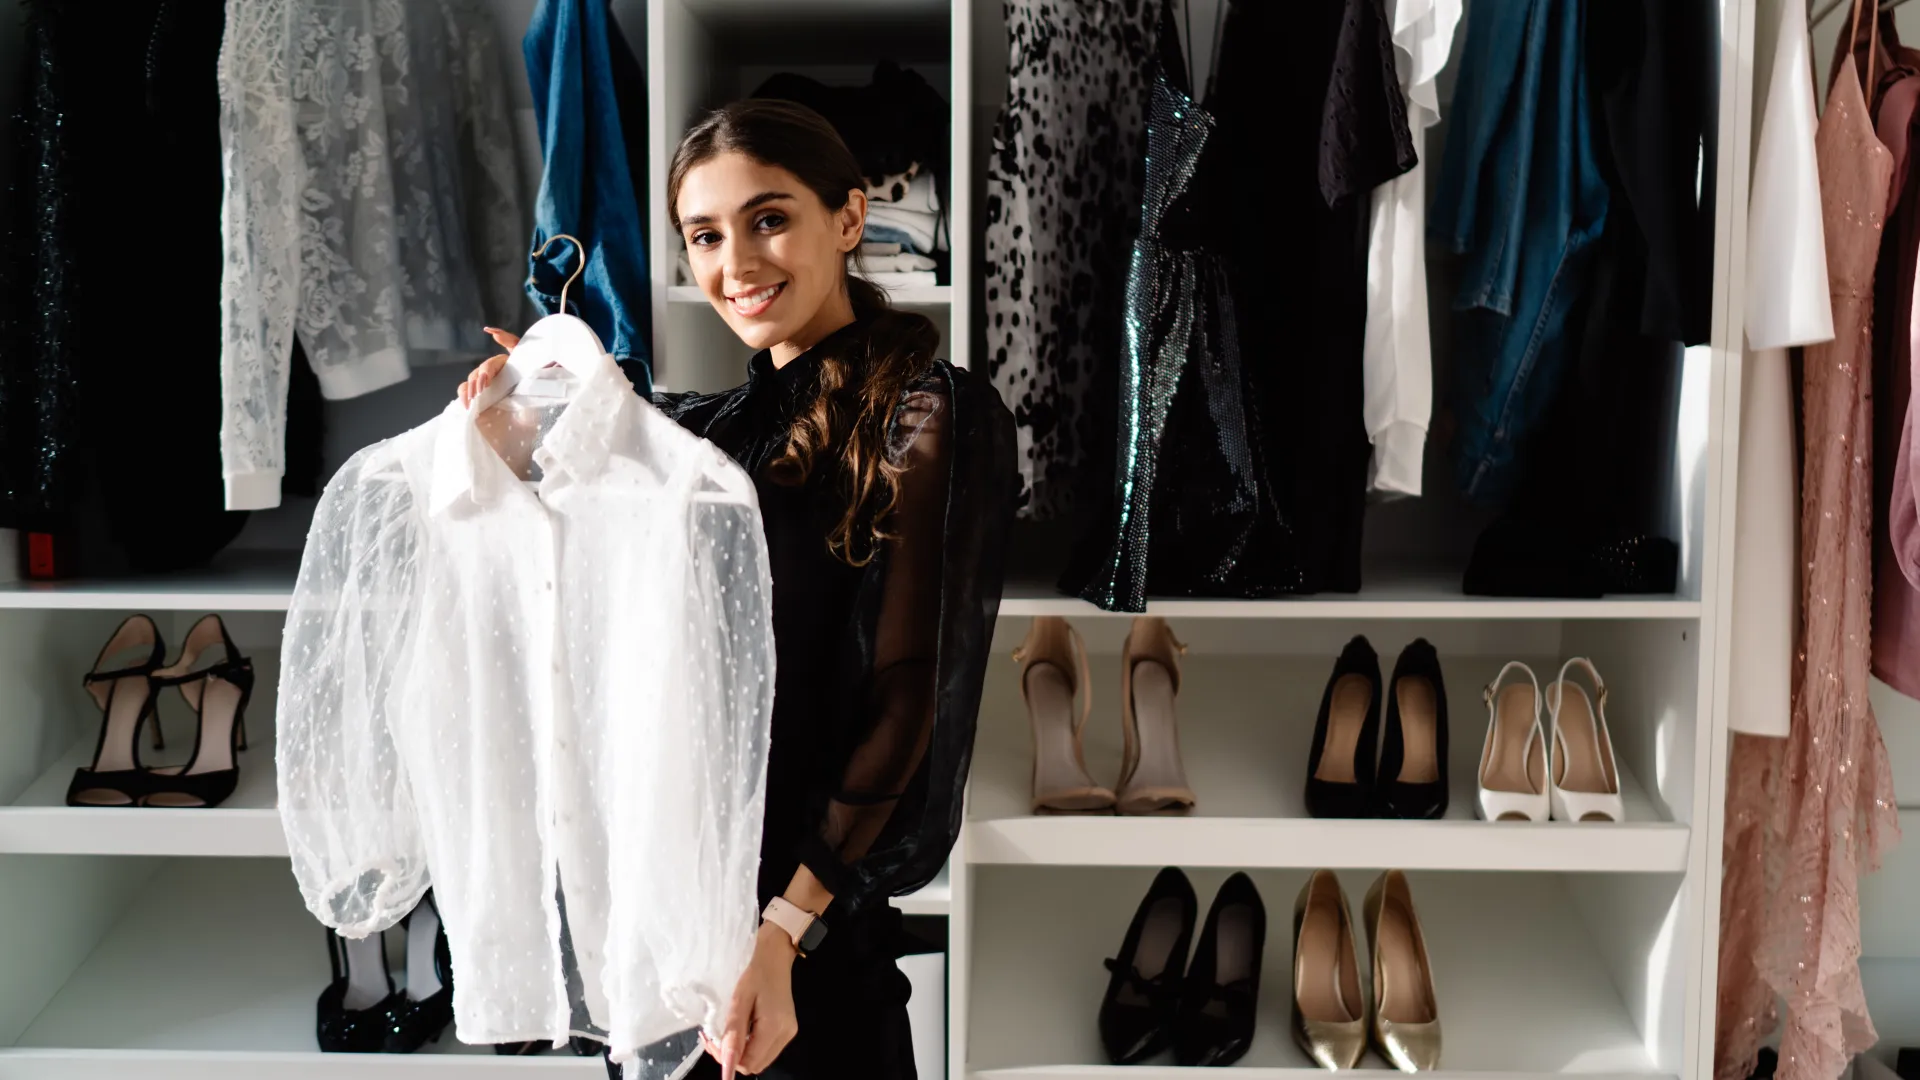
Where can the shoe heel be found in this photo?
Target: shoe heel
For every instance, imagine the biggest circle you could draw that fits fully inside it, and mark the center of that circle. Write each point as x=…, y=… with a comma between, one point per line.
x=1153, y=778
x=1513, y=760
x=1584, y=778
x=1054, y=672
x=218, y=695
x=127, y=698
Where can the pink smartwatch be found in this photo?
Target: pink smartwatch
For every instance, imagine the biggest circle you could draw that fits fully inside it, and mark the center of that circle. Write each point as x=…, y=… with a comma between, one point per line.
x=804, y=927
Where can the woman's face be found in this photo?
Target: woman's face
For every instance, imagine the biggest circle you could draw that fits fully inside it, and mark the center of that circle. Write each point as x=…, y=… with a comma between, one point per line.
x=768, y=254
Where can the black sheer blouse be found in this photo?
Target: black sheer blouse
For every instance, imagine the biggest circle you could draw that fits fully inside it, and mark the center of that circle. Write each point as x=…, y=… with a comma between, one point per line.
x=879, y=667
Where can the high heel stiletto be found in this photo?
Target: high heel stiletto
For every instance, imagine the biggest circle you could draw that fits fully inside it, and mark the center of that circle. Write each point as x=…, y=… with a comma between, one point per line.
x=1406, y=1016
x=1222, y=991
x=1413, y=753
x=1513, y=761
x=1140, y=1012
x=127, y=698
x=1055, y=672
x=351, y=1017
x=1585, y=784
x=1329, y=1015
x=218, y=694
x=419, y=1013
x=1153, y=779
x=1340, y=765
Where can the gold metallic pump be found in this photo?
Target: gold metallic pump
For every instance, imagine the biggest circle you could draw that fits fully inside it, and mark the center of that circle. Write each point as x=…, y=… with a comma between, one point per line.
x=1329, y=1014
x=1406, y=1017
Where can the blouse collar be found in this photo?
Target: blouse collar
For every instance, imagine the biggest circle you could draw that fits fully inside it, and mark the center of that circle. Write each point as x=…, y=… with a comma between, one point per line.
x=579, y=443
x=799, y=372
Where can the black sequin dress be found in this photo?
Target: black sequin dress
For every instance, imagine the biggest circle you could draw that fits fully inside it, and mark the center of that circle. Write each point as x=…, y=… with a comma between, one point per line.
x=115, y=177
x=1192, y=511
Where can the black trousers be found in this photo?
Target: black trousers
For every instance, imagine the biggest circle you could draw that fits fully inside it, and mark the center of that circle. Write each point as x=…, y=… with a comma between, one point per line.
x=852, y=1011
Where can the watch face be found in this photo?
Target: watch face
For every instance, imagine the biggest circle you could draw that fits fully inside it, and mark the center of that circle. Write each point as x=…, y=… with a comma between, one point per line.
x=816, y=933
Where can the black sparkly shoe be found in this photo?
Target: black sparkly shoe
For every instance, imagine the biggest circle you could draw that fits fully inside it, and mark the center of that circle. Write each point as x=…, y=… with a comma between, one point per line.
x=418, y=1014
x=359, y=977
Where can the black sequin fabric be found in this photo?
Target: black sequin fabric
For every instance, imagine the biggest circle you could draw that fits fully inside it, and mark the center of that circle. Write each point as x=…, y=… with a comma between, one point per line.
x=39, y=395
x=110, y=285
x=1193, y=513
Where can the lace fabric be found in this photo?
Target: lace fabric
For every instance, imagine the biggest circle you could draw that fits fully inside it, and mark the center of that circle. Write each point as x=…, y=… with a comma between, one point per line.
x=346, y=219
x=530, y=650
x=1807, y=814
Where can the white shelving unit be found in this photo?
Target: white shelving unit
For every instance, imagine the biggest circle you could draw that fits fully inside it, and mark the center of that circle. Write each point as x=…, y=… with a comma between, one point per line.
x=171, y=943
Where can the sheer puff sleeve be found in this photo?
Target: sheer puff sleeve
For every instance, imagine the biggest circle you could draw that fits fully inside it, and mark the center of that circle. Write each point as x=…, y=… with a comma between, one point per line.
x=345, y=803
x=914, y=667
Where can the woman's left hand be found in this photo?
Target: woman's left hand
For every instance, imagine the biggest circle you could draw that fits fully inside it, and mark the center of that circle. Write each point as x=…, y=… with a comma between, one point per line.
x=760, y=1021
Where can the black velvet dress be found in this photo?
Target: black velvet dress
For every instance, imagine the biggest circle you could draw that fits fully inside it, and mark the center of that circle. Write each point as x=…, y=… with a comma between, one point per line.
x=878, y=683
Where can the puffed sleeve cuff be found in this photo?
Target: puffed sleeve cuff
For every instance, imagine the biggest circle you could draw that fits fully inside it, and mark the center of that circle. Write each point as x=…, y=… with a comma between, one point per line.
x=817, y=856
x=369, y=898
x=257, y=489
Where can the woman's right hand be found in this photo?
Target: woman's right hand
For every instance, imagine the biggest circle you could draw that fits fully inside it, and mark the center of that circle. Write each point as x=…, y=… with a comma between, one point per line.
x=484, y=374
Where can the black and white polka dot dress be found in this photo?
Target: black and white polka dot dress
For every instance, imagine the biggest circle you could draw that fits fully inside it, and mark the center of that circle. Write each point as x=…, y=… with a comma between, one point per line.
x=1063, y=204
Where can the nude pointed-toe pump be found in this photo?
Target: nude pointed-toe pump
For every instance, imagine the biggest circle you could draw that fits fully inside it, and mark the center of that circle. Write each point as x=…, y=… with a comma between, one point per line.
x=1153, y=780
x=1053, y=674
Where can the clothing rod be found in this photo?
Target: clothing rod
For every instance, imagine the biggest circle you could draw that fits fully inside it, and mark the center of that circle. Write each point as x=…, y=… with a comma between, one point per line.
x=1835, y=5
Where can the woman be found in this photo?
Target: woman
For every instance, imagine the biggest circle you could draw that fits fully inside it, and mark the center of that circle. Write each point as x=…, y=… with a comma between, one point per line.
x=886, y=483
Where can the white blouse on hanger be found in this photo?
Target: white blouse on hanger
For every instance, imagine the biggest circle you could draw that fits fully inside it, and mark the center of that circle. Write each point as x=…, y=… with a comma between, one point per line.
x=1398, y=355
x=1789, y=303
x=506, y=688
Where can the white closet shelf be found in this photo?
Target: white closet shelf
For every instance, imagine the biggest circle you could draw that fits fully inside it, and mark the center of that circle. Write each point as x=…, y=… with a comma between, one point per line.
x=263, y=581
x=916, y=297
x=41, y=823
x=213, y=972
x=1246, y=729
x=237, y=581
x=1036, y=980
x=226, y=1065
x=1306, y=842
x=245, y=826
x=1390, y=594
x=1239, y=1073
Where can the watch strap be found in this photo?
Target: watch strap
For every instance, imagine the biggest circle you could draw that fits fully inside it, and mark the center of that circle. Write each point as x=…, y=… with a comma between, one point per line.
x=804, y=927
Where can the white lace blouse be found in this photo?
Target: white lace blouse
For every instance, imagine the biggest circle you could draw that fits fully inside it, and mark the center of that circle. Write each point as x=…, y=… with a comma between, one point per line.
x=543, y=667
x=371, y=205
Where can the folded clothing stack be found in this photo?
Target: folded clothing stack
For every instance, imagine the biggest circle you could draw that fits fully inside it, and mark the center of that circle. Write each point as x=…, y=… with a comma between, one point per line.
x=914, y=221
x=897, y=128
x=890, y=267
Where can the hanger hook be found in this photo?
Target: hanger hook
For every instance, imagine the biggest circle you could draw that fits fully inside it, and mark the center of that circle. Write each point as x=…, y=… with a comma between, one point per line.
x=577, y=271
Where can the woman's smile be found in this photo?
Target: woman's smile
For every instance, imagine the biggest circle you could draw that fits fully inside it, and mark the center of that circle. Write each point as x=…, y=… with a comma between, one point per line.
x=756, y=302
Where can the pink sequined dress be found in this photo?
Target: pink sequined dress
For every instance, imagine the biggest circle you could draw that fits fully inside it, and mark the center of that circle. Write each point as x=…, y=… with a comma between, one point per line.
x=1808, y=813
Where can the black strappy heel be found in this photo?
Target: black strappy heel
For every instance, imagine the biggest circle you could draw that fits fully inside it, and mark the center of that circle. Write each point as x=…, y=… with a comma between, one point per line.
x=218, y=695
x=127, y=698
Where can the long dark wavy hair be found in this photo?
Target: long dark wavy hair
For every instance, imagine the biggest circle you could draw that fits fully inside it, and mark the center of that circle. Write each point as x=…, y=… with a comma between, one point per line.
x=861, y=384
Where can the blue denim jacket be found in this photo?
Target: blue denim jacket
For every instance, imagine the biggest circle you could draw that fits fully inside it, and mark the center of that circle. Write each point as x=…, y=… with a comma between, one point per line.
x=587, y=190
x=1522, y=197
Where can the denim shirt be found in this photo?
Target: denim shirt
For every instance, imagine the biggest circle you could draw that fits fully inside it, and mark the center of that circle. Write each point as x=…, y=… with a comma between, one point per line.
x=1522, y=197
x=587, y=189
